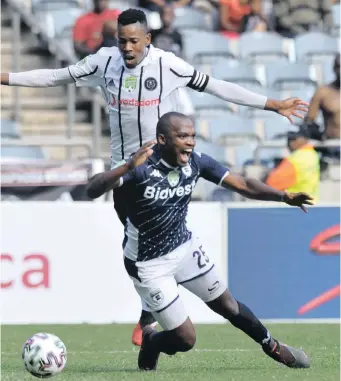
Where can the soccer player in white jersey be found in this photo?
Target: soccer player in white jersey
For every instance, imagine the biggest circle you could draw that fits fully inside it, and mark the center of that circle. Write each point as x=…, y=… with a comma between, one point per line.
x=161, y=252
x=141, y=83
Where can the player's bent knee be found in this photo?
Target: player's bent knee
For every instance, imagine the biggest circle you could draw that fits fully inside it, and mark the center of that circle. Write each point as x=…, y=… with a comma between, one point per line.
x=186, y=336
x=225, y=305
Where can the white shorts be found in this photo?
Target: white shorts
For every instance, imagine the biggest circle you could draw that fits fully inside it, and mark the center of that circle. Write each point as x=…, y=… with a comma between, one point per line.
x=156, y=281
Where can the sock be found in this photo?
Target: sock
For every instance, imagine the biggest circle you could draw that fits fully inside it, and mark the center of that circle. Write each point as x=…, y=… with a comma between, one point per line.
x=167, y=342
x=246, y=321
x=146, y=318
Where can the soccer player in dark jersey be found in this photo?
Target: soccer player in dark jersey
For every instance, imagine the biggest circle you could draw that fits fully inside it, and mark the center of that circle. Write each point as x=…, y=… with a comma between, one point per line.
x=161, y=252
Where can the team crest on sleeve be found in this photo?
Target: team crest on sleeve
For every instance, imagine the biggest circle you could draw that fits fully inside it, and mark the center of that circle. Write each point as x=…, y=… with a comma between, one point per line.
x=130, y=83
x=150, y=84
x=187, y=171
x=173, y=178
x=82, y=62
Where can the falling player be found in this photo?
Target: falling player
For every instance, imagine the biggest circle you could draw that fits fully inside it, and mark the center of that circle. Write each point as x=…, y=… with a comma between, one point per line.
x=141, y=83
x=161, y=252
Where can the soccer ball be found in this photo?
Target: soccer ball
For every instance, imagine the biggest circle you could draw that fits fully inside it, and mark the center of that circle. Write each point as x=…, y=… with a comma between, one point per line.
x=44, y=355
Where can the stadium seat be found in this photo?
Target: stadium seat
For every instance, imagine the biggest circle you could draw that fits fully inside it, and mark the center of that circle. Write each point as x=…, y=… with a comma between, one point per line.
x=285, y=75
x=329, y=191
x=241, y=74
x=276, y=127
x=219, y=194
x=315, y=47
x=22, y=152
x=244, y=154
x=211, y=149
x=9, y=129
x=328, y=72
x=261, y=47
x=206, y=49
x=121, y=4
x=231, y=128
x=206, y=105
x=191, y=18
x=55, y=22
x=54, y=5
x=336, y=19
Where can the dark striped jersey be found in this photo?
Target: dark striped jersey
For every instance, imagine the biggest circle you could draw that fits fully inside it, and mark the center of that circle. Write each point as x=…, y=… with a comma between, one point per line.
x=136, y=98
x=157, y=197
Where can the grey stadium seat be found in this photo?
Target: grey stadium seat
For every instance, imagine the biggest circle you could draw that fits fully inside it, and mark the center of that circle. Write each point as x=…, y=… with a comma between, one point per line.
x=336, y=19
x=328, y=72
x=55, y=22
x=211, y=149
x=242, y=74
x=53, y=5
x=275, y=127
x=9, y=129
x=261, y=47
x=191, y=18
x=285, y=75
x=206, y=49
x=207, y=105
x=315, y=47
x=231, y=127
x=22, y=152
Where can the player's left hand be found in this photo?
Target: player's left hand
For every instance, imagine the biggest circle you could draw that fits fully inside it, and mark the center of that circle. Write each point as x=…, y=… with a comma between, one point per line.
x=291, y=107
x=298, y=199
x=142, y=154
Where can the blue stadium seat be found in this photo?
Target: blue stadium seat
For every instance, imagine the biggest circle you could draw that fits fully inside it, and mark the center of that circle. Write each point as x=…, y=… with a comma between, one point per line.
x=211, y=149
x=191, y=18
x=9, y=129
x=206, y=49
x=315, y=47
x=241, y=74
x=22, y=152
x=261, y=47
x=285, y=75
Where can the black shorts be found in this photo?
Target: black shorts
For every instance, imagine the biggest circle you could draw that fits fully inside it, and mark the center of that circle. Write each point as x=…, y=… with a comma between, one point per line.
x=120, y=202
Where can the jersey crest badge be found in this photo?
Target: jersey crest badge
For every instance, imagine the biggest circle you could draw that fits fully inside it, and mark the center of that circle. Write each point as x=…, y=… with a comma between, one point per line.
x=130, y=83
x=173, y=178
x=150, y=84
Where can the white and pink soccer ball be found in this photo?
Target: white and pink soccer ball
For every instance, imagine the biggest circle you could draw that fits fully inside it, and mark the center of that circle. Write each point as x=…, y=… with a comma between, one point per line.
x=44, y=355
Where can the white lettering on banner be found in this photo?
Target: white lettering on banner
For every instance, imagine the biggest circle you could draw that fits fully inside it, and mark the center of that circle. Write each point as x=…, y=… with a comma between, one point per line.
x=80, y=277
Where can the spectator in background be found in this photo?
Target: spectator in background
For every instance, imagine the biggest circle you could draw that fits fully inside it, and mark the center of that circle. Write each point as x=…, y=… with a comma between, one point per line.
x=109, y=34
x=293, y=17
x=300, y=171
x=87, y=32
x=237, y=16
x=167, y=38
x=157, y=5
x=327, y=100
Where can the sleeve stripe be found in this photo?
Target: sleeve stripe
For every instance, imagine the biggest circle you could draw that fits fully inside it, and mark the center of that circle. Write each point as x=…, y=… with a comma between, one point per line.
x=91, y=73
x=199, y=81
x=222, y=179
x=70, y=73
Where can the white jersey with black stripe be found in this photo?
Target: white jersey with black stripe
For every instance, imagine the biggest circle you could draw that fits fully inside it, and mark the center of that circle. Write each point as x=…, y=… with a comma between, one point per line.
x=137, y=97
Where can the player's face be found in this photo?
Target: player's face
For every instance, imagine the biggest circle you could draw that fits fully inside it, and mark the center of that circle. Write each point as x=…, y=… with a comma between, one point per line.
x=132, y=42
x=180, y=142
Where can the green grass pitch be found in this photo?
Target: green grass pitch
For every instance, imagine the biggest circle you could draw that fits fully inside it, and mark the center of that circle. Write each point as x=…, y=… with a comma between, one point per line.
x=104, y=352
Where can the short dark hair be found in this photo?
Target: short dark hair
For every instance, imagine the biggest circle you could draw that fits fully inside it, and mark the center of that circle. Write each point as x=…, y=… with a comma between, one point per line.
x=163, y=125
x=132, y=16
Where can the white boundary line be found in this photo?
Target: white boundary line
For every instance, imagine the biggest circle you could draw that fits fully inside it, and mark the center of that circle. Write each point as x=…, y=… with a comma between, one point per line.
x=302, y=321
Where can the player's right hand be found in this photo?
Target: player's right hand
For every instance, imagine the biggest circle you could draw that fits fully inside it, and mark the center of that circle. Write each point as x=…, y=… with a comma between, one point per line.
x=142, y=154
x=298, y=199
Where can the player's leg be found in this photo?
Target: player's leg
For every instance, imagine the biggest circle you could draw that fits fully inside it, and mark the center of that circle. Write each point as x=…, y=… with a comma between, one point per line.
x=146, y=317
x=155, y=283
x=198, y=275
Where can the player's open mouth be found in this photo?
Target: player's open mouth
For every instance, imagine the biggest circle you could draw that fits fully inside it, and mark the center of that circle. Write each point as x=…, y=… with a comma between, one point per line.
x=185, y=155
x=128, y=59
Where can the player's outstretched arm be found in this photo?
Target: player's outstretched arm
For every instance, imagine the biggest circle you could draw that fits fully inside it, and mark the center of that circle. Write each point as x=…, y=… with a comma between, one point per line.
x=38, y=78
x=234, y=93
x=105, y=181
x=257, y=190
